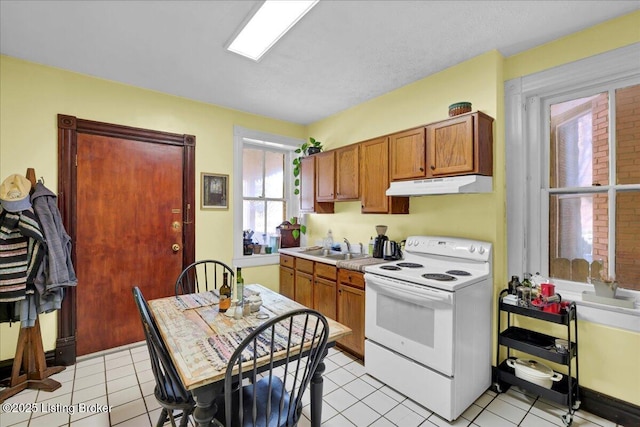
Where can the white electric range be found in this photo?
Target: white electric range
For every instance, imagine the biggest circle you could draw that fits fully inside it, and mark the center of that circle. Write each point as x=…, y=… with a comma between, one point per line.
x=428, y=322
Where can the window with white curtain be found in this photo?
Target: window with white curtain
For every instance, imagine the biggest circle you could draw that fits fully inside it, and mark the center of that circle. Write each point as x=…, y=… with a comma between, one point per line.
x=263, y=195
x=264, y=205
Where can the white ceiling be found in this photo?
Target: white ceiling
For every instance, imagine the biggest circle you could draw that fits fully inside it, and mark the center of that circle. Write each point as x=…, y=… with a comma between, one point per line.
x=340, y=54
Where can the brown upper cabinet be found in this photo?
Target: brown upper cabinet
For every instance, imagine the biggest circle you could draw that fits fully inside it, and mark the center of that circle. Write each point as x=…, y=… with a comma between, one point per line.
x=374, y=179
x=347, y=173
x=337, y=173
x=407, y=154
x=461, y=145
x=325, y=176
x=308, y=200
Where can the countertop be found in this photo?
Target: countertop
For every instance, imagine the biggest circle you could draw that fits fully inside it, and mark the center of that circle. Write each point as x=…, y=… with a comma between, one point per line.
x=357, y=264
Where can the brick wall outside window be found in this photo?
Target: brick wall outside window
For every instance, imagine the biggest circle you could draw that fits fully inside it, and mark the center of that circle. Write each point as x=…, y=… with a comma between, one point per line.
x=628, y=172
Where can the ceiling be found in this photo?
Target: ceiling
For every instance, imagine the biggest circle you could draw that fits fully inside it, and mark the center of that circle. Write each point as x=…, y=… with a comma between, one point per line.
x=340, y=54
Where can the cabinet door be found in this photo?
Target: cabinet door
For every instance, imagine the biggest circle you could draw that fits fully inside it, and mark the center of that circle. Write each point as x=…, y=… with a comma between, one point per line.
x=324, y=297
x=304, y=289
x=351, y=314
x=308, y=200
x=307, y=184
x=450, y=147
x=325, y=176
x=374, y=171
x=287, y=283
x=407, y=154
x=347, y=173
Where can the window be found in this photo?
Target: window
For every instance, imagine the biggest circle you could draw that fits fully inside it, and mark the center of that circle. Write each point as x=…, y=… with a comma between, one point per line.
x=264, y=205
x=573, y=178
x=588, y=197
x=263, y=196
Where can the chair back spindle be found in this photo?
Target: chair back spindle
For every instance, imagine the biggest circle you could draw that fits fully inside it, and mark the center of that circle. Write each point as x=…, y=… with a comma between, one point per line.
x=202, y=276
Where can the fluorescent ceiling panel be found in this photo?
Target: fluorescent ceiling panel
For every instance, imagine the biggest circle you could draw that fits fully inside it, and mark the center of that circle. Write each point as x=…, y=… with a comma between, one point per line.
x=270, y=22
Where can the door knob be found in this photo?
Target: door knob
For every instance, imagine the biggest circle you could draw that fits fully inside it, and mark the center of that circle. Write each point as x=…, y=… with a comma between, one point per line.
x=175, y=247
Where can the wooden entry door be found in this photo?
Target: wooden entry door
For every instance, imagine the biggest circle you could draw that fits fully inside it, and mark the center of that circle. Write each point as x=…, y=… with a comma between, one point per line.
x=131, y=194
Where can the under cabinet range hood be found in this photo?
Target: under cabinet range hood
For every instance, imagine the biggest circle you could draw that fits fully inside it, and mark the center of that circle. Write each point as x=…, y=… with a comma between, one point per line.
x=448, y=185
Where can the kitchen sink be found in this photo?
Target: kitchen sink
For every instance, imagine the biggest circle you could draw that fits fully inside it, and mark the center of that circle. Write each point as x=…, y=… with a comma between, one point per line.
x=343, y=257
x=338, y=256
x=314, y=252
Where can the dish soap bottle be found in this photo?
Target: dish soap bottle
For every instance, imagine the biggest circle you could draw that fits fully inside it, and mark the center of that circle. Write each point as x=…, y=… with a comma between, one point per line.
x=328, y=241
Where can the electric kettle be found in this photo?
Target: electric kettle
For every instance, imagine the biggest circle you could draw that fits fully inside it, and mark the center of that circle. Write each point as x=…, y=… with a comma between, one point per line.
x=392, y=251
x=378, y=246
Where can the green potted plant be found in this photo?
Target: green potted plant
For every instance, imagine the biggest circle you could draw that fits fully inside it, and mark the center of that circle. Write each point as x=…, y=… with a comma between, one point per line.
x=308, y=148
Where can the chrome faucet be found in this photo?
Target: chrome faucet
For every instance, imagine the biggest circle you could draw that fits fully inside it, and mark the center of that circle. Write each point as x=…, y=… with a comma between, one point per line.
x=348, y=245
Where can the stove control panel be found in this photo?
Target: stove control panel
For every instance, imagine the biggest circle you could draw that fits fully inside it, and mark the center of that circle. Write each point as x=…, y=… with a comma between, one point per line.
x=449, y=246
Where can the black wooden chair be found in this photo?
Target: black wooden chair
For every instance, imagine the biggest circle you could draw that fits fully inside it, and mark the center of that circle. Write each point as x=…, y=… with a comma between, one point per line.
x=169, y=390
x=202, y=276
x=293, y=344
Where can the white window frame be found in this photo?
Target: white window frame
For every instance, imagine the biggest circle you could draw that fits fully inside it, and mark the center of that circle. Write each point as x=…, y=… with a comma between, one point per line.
x=527, y=143
x=245, y=137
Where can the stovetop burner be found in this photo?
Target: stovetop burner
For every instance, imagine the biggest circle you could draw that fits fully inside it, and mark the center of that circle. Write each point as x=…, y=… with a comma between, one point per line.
x=458, y=272
x=439, y=276
x=409, y=265
x=389, y=267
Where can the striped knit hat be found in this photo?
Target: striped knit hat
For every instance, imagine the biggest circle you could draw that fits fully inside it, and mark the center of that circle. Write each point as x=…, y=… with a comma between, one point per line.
x=14, y=193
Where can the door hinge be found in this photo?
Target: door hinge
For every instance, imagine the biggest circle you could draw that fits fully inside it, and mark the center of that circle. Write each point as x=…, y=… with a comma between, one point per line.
x=76, y=160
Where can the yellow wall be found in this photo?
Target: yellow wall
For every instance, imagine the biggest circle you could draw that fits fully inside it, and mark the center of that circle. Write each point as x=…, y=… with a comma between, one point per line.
x=31, y=96
x=481, y=216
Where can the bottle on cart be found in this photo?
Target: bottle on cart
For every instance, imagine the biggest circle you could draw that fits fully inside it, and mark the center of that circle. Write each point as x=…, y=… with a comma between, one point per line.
x=513, y=285
x=225, y=293
x=527, y=285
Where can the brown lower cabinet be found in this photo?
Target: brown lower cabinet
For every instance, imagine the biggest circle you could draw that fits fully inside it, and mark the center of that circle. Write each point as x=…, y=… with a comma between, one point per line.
x=324, y=289
x=304, y=282
x=336, y=293
x=351, y=310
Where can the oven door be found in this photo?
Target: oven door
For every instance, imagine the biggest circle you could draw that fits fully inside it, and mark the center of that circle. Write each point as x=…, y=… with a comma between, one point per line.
x=412, y=320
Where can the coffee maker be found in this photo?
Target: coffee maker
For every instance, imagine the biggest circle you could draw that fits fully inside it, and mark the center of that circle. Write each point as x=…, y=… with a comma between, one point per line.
x=379, y=243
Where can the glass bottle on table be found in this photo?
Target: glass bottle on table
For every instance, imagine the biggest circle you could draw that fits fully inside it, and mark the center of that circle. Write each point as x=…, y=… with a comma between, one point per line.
x=225, y=293
x=239, y=294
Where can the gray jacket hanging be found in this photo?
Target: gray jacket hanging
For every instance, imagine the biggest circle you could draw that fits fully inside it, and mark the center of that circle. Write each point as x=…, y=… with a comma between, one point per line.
x=56, y=270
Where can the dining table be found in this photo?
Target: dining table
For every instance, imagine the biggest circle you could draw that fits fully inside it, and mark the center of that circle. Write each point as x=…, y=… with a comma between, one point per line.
x=191, y=324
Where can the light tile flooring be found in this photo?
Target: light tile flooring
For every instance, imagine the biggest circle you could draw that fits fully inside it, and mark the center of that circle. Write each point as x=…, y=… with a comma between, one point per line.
x=122, y=380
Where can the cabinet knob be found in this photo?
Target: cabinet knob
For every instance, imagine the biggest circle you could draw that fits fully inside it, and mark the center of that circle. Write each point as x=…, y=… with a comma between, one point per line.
x=421, y=169
x=433, y=168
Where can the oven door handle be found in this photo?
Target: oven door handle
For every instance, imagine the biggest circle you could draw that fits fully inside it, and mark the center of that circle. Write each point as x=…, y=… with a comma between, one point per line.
x=408, y=292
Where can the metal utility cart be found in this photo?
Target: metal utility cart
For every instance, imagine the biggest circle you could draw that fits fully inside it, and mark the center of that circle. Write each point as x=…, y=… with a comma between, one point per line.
x=566, y=391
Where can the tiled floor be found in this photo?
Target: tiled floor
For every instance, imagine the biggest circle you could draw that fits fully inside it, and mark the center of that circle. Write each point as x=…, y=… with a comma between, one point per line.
x=123, y=381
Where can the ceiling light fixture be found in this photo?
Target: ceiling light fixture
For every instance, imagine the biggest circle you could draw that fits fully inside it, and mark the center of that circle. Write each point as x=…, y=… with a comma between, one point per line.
x=270, y=22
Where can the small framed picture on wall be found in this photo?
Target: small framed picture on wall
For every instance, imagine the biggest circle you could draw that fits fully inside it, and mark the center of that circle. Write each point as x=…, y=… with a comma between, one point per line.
x=215, y=191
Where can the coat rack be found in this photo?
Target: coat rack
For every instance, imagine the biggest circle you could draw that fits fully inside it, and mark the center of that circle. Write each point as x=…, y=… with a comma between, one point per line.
x=30, y=353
